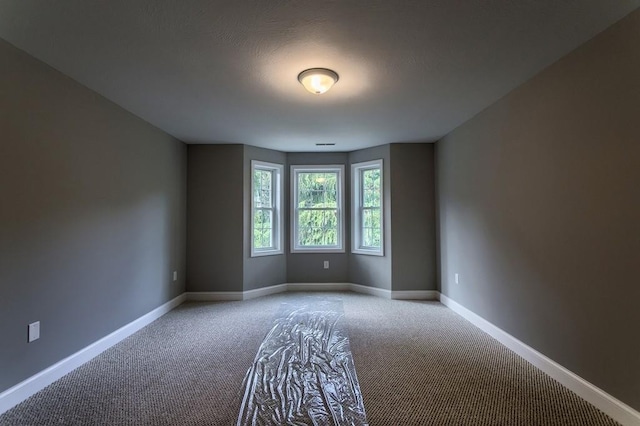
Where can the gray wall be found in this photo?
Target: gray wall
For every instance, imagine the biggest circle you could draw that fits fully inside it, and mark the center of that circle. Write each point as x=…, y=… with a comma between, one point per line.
x=308, y=267
x=263, y=271
x=374, y=271
x=413, y=217
x=92, y=218
x=219, y=245
x=539, y=207
x=215, y=218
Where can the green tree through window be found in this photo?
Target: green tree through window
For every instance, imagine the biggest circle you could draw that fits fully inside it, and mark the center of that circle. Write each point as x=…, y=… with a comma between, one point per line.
x=266, y=217
x=263, y=211
x=367, y=208
x=371, y=225
x=317, y=209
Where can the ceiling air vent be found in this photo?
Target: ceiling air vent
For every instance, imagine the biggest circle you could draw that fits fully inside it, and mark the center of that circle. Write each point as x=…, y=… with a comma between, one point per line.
x=325, y=144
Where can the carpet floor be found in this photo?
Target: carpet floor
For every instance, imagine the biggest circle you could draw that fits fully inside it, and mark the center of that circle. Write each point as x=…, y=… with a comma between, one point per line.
x=418, y=363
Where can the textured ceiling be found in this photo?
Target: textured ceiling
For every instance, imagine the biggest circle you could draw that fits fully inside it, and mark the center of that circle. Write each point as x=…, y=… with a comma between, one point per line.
x=226, y=71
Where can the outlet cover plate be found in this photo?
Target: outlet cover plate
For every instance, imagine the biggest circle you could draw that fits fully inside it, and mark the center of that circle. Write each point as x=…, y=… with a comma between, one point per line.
x=34, y=331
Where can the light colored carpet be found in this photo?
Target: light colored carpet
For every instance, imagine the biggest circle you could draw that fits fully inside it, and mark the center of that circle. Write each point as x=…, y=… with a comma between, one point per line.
x=418, y=363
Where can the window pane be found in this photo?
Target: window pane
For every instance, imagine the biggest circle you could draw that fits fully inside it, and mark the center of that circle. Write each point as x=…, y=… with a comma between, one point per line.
x=266, y=235
x=371, y=237
x=263, y=229
x=310, y=236
x=316, y=190
x=367, y=197
x=317, y=204
x=371, y=187
x=371, y=226
x=266, y=238
x=263, y=218
x=262, y=189
x=317, y=227
x=371, y=218
x=366, y=237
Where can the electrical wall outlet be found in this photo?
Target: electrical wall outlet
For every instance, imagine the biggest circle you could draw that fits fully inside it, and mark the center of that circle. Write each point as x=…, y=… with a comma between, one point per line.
x=457, y=276
x=34, y=331
x=326, y=264
x=175, y=275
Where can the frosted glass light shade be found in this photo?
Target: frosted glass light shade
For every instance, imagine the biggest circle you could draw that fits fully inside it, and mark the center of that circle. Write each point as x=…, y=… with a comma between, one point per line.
x=317, y=80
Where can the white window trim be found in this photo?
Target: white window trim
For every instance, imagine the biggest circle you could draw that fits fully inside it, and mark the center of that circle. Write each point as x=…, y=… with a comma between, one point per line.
x=277, y=200
x=334, y=168
x=356, y=207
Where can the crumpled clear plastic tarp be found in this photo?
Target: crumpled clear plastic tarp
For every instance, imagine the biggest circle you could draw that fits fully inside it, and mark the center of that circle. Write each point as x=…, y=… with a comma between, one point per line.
x=303, y=373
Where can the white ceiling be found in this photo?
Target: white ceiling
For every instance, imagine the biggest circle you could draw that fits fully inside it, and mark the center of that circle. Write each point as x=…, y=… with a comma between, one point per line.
x=226, y=71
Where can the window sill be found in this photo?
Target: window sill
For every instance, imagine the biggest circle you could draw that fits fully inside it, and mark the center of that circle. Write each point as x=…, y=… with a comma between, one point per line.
x=365, y=252
x=266, y=253
x=317, y=250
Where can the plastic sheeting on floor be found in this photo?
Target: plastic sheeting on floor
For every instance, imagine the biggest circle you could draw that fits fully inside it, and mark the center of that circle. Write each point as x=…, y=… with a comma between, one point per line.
x=303, y=373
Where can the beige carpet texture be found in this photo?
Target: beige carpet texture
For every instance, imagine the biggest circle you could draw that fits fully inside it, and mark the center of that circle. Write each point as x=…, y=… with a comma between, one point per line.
x=417, y=363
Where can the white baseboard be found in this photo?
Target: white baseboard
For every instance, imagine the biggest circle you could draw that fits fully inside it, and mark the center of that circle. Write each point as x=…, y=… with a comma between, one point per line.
x=416, y=295
x=23, y=390
x=608, y=404
x=229, y=296
x=265, y=291
x=372, y=291
x=318, y=286
x=214, y=296
x=220, y=296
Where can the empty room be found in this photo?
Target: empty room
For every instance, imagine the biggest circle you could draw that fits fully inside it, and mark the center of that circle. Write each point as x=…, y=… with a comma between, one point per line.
x=319, y=213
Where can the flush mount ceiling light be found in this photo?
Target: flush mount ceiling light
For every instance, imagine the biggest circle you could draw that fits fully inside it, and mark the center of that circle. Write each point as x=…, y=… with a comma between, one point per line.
x=317, y=80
